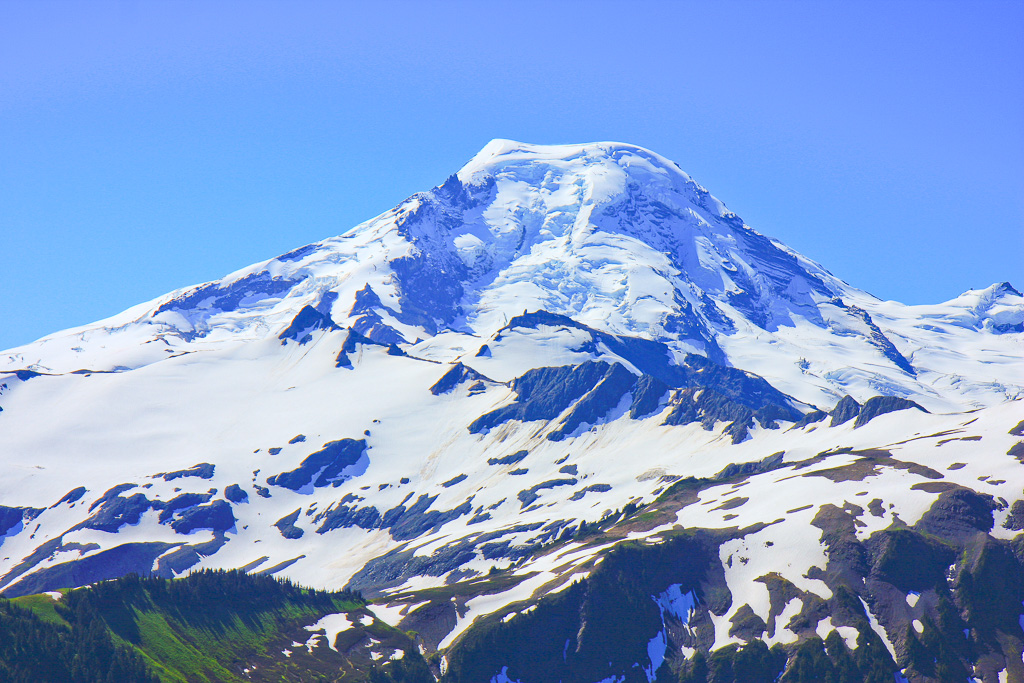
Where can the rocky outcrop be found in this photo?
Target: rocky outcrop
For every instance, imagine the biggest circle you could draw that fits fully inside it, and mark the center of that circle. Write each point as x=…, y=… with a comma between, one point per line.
x=880, y=405
x=332, y=464
x=845, y=410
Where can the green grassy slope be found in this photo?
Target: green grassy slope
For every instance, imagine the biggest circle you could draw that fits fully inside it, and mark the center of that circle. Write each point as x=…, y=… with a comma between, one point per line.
x=207, y=627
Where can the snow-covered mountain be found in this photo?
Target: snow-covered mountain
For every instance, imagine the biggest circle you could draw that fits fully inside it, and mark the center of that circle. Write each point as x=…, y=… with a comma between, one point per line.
x=611, y=235
x=450, y=406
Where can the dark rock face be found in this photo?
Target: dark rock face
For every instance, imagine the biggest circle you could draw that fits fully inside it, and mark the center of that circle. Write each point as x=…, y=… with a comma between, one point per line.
x=344, y=516
x=1017, y=451
x=117, y=511
x=111, y=493
x=544, y=393
x=45, y=550
x=529, y=495
x=352, y=342
x=12, y=518
x=746, y=625
x=745, y=469
x=214, y=297
x=596, y=387
x=216, y=516
x=235, y=494
x=72, y=496
x=298, y=254
x=369, y=323
x=366, y=301
x=177, y=561
x=741, y=387
x=647, y=395
x=879, y=405
x=172, y=507
x=1015, y=520
x=286, y=525
x=958, y=514
x=427, y=287
x=592, y=488
x=307, y=320
x=597, y=403
x=649, y=357
x=454, y=480
x=457, y=375
x=124, y=559
x=330, y=465
x=715, y=393
x=908, y=560
x=508, y=459
x=403, y=522
x=394, y=567
x=845, y=410
x=810, y=418
x=879, y=340
x=432, y=622
x=708, y=407
x=184, y=513
x=1008, y=328
x=418, y=519
x=373, y=327
x=203, y=470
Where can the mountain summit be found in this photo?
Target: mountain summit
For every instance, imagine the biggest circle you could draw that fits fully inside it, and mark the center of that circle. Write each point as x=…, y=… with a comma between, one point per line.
x=485, y=407
x=611, y=235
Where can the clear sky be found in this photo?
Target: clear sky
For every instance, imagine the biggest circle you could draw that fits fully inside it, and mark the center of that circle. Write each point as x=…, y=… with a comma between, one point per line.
x=146, y=146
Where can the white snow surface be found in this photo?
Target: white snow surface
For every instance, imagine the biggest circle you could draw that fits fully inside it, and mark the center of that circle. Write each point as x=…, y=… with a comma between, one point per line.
x=332, y=625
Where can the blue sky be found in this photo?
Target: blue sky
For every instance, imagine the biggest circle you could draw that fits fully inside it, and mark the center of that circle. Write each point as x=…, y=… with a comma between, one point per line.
x=146, y=146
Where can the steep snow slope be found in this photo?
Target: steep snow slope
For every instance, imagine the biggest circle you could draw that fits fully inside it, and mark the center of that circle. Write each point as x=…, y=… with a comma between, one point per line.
x=455, y=395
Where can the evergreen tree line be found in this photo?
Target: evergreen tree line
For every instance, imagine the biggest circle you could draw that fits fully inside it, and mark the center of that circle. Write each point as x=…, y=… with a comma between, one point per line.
x=37, y=651
x=84, y=650
x=205, y=593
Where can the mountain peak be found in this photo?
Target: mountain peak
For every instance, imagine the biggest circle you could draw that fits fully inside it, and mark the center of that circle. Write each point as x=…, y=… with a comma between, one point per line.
x=443, y=400
x=610, y=235
x=1003, y=288
x=523, y=160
